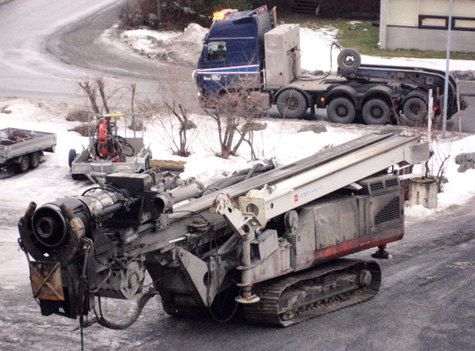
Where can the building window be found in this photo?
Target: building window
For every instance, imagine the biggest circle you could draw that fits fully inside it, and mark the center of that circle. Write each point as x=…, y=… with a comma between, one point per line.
x=463, y=23
x=442, y=22
x=433, y=22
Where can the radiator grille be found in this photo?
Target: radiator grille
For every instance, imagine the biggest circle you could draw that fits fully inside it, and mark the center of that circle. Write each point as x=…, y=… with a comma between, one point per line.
x=391, y=183
x=376, y=186
x=390, y=212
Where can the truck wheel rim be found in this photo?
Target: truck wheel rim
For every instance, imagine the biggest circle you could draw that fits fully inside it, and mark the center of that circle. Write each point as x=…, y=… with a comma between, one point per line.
x=349, y=61
x=342, y=111
x=292, y=104
x=377, y=112
x=415, y=108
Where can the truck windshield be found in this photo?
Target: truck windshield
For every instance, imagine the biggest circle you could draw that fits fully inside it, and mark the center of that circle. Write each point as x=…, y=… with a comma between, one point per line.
x=216, y=50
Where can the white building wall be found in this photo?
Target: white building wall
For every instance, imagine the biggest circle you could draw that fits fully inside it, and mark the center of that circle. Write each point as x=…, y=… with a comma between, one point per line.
x=422, y=24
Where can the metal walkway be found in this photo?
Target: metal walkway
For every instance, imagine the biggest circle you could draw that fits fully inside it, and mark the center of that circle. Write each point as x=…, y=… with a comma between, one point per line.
x=391, y=149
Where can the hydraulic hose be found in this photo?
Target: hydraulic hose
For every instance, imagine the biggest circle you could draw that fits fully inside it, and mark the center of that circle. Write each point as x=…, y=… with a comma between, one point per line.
x=239, y=177
x=132, y=318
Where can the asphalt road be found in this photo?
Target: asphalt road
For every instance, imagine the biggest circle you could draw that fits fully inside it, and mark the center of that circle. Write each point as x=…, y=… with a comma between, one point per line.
x=47, y=46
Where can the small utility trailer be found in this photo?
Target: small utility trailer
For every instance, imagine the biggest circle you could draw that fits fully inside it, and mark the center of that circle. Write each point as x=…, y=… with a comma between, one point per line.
x=22, y=149
x=108, y=152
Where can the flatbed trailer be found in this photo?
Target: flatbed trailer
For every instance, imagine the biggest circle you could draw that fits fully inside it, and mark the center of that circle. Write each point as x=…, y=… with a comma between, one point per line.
x=108, y=152
x=22, y=148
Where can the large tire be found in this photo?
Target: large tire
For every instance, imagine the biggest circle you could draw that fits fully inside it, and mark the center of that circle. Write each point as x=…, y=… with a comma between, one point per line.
x=71, y=157
x=292, y=103
x=376, y=111
x=34, y=160
x=349, y=60
x=414, y=111
x=341, y=110
x=24, y=164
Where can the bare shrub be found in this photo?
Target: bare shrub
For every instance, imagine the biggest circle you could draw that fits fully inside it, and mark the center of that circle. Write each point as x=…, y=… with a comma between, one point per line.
x=172, y=115
x=234, y=112
x=82, y=129
x=77, y=116
x=139, y=13
x=440, y=149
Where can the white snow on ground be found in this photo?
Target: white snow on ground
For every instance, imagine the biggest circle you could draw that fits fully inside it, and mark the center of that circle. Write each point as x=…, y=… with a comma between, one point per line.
x=460, y=187
x=51, y=180
x=315, y=48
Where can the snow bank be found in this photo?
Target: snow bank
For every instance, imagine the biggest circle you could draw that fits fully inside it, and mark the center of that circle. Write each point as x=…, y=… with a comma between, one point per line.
x=183, y=48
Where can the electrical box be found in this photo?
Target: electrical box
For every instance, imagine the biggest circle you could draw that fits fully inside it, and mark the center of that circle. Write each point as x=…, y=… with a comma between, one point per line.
x=282, y=55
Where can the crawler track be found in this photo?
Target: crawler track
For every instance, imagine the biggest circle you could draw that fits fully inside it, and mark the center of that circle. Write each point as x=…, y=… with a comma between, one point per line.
x=315, y=292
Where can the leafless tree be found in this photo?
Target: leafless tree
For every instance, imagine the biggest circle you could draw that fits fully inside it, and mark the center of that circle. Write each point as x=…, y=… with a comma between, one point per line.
x=90, y=89
x=103, y=96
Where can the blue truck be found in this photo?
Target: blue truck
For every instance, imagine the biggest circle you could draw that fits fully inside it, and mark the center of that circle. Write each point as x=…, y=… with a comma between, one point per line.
x=245, y=51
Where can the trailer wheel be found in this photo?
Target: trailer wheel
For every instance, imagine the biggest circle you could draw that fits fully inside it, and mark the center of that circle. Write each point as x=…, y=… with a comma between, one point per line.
x=414, y=111
x=24, y=164
x=292, y=103
x=34, y=160
x=71, y=157
x=376, y=111
x=78, y=176
x=349, y=60
x=341, y=110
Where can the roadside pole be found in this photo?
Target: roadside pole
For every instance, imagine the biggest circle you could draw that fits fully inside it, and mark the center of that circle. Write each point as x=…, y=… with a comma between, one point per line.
x=446, y=86
x=430, y=113
x=458, y=109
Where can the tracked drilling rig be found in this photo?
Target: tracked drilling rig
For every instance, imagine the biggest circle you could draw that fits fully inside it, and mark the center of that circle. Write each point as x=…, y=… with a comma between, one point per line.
x=276, y=239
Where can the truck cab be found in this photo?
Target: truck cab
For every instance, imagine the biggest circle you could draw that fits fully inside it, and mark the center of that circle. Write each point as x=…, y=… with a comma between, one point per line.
x=233, y=51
